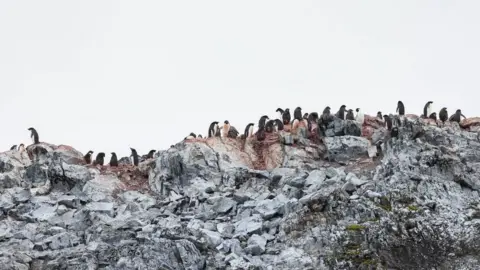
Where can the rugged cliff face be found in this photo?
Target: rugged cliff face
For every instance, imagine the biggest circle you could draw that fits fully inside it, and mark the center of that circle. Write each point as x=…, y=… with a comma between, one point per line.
x=349, y=202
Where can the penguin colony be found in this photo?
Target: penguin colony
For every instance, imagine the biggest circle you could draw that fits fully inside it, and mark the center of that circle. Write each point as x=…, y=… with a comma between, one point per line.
x=266, y=125
x=99, y=158
x=313, y=120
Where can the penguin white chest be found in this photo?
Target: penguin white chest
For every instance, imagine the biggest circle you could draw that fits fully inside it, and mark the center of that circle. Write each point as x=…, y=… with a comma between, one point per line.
x=250, y=131
x=429, y=110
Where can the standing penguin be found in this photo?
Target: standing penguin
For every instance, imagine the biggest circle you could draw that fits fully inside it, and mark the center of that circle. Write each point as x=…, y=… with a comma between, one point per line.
x=286, y=117
x=297, y=114
x=34, y=136
x=269, y=126
x=113, y=160
x=379, y=115
x=278, y=125
x=88, y=157
x=312, y=121
x=443, y=115
x=341, y=112
x=280, y=112
x=213, y=129
x=394, y=132
x=248, y=130
x=400, y=108
x=360, y=117
x=225, y=128
x=350, y=115
x=150, y=153
x=99, y=160
x=456, y=117
x=388, y=122
x=134, y=156
x=427, y=109
x=262, y=121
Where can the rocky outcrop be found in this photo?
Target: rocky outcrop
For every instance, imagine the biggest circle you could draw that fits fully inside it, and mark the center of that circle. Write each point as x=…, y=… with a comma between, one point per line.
x=287, y=202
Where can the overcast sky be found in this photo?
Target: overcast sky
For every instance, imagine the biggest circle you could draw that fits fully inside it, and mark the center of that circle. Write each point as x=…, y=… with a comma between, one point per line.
x=109, y=75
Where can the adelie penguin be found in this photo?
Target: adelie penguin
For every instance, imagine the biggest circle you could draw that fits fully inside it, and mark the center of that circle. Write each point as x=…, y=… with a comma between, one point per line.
x=280, y=112
x=427, y=109
x=400, y=108
x=100, y=159
x=150, y=153
x=360, y=117
x=297, y=114
x=191, y=136
x=262, y=121
x=286, y=117
x=228, y=130
x=443, y=115
x=433, y=116
x=34, y=135
x=305, y=116
x=388, y=121
x=269, y=126
x=248, y=130
x=341, y=112
x=214, y=130
x=380, y=116
x=14, y=148
x=278, y=125
x=394, y=132
x=350, y=115
x=113, y=160
x=88, y=157
x=312, y=120
x=134, y=157
x=456, y=117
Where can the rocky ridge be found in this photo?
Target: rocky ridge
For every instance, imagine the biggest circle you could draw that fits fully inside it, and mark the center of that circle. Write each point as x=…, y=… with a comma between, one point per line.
x=349, y=202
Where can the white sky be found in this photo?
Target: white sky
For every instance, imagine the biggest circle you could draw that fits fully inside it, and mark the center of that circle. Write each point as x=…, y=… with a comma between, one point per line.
x=109, y=75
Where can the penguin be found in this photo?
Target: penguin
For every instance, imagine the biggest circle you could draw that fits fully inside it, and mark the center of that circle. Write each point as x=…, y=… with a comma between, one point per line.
x=443, y=115
x=248, y=130
x=341, y=112
x=350, y=115
x=433, y=116
x=13, y=147
x=134, y=157
x=213, y=129
x=21, y=148
x=232, y=132
x=191, y=136
x=400, y=108
x=113, y=160
x=388, y=122
x=278, y=125
x=34, y=136
x=269, y=126
x=88, y=157
x=325, y=119
x=172, y=146
x=200, y=136
x=360, y=117
x=280, y=112
x=312, y=119
x=305, y=116
x=262, y=121
x=99, y=160
x=394, y=132
x=379, y=115
x=150, y=153
x=427, y=109
x=225, y=128
x=286, y=117
x=456, y=117
x=297, y=114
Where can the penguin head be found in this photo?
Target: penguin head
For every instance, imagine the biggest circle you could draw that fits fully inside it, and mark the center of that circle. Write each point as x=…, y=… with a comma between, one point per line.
x=350, y=110
x=459, y=111
x=21, y=145
x=279, y=110
x=226, y=122
x=133, y=150
x=357, y=109
x=430, y=102
x=298, y=108
x=287, y=110
x=90, y=152
x=31, y=129
x=343, y=107
x=385, y=116
x=153, y=151
x=101, y=154
x=399, y=103
x=113, y=154
x=172, y=146
x=193, y=134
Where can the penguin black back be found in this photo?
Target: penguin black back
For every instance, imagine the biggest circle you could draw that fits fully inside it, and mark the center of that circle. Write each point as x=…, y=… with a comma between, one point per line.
x=34, y=135
x=394, y=132
x=269, y=126
x=150, y=154
x=456, y=117
x=262, y=121
x=388, y=122
x=88, y=157
x=100, y=159
x=341, y=112
x=113, y=160
x=297, y=114
x=286, y=117
x=279, y=124
x=425, y=109
x=212, y=132
x=443, y=115
x=400, y=108
x=246, y=133
x=350, y=115
x=134, y=155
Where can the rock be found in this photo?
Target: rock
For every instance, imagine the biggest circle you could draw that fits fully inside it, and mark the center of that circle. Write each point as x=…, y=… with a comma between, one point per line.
x=248, y=225
x=345, y=148
x=256, y=245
